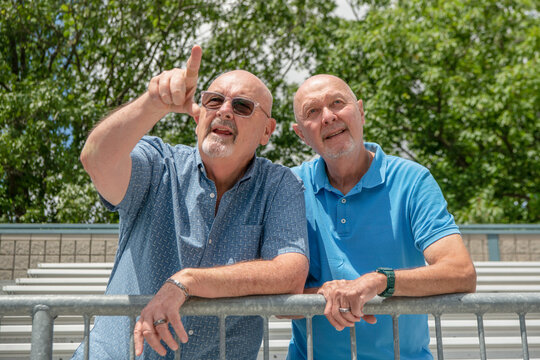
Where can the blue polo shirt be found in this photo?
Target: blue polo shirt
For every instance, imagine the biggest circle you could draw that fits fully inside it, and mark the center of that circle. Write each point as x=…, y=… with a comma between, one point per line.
x=387, y=220
x=167, y=223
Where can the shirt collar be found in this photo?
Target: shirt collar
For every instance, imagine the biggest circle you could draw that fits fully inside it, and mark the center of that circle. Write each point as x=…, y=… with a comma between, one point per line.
x=375, y=175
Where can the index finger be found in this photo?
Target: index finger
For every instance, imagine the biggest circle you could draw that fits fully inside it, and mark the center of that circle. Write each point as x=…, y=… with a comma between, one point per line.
x=192, y=67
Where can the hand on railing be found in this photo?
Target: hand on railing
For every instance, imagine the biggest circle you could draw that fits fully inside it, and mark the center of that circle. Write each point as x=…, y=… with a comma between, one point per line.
x=345, y=300
x=153, y=323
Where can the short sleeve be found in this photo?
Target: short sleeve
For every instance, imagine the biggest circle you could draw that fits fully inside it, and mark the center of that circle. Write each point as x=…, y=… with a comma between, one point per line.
x=145, y=166
x=285, y=228
x=428, y=213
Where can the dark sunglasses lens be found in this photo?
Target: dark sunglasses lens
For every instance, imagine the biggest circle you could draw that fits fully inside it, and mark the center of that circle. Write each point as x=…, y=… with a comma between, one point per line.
x=212, y=101
x=243, y=107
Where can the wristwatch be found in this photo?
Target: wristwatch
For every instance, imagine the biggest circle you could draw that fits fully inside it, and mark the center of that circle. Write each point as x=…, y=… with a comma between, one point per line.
x=390, y=281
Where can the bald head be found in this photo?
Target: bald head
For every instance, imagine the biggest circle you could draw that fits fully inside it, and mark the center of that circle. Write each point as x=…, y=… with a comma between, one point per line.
x=245, y=83
x=317, y=82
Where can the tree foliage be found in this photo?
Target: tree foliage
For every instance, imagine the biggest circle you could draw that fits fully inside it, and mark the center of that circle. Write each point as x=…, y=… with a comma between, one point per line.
x=454, y=85
x=65, y=64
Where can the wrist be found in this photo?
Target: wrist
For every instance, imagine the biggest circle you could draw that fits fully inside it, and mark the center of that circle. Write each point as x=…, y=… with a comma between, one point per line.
x=187, y=279
x=390, y=281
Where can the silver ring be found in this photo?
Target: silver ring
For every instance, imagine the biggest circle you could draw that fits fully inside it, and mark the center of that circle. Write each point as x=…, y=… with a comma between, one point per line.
x=159, y=322
x=344, y=310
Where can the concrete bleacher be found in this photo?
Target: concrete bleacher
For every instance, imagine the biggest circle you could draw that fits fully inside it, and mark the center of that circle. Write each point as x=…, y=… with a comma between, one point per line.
x=459, y=331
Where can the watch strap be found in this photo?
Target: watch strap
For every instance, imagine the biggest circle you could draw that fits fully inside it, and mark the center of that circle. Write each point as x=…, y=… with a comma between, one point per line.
x=390, y=281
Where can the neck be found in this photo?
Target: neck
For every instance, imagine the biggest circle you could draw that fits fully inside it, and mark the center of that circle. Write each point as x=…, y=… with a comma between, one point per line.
x=224, y=172
x=345, y=172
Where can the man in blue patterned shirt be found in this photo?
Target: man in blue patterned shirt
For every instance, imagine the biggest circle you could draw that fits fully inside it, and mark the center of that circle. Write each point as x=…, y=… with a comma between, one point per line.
x=194, y=220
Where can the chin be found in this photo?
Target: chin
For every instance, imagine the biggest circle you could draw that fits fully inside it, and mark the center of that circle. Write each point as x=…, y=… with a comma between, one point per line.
x=216, y=149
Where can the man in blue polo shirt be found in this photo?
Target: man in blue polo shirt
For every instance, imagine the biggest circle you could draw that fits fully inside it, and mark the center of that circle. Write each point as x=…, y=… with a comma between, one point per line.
x=374, y=221
x=193, y=219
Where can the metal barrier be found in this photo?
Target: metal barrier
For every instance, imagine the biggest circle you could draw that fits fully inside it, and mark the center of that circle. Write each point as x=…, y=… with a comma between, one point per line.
x=44, y=309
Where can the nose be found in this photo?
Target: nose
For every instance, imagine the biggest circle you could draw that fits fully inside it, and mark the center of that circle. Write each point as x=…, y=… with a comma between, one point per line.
x=328, y=116
x=226, y=110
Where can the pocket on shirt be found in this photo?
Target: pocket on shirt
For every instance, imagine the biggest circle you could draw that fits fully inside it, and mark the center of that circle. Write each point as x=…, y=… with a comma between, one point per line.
x=243, y=242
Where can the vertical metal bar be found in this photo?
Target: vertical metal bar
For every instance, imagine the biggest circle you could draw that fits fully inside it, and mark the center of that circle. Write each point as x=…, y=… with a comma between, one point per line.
x=481, y=337
x=132, y=321
x=438, y=334
x=354, y=356
x=222, y=332
x=395, y=324
x=266, y=338
x=309, y=334
x=42, y=333
x=493, y=247
x=524, y=343
x=86, y=337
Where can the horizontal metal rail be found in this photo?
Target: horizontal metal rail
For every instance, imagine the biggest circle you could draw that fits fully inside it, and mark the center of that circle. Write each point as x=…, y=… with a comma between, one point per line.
x=45, y=308
x=113, y=228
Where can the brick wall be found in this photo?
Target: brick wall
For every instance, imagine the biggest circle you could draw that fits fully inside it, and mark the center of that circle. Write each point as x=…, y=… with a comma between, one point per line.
x=24, y=251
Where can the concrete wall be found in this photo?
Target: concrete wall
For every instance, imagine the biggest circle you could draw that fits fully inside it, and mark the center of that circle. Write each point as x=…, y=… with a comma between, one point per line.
x=19, y=252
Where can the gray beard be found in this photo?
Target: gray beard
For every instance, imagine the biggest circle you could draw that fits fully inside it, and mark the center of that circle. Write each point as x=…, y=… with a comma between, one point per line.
x=214, y=146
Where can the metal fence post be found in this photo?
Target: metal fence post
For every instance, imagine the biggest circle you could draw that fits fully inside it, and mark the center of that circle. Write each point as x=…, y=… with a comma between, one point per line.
x=42, y=333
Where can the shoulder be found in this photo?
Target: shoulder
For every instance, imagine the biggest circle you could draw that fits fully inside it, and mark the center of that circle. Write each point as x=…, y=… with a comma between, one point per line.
x=156, y=147
x=306, y=171
x=276, y=174
x=404, y=169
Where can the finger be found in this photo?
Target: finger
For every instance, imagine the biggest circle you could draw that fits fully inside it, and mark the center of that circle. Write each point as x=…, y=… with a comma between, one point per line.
x=164, y=88
x=328, y=312
x=176, y=322
x=178, y=87
x=165, y=334
x=370, y=319
x=152, y=338
x=138, y=338
x=192, y=67
x=153, y=88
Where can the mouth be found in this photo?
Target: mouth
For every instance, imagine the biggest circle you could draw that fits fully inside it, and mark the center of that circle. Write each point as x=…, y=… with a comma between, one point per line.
x=334, y=134
x=223, y=128
x=222, y=131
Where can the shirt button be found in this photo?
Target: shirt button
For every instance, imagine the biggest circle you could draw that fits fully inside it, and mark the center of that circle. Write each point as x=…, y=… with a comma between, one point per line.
x=190, y=332
x=343, y=221
x=343, y=201
x=209, y=241
x=212, y=195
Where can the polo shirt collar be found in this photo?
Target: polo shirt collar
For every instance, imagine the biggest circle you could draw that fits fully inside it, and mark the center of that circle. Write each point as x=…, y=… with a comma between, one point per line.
x=375, y=175
x=247, y=175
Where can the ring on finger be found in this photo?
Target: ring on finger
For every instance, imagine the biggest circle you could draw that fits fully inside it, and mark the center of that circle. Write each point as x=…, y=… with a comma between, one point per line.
x=159, y=322
x=344, y=310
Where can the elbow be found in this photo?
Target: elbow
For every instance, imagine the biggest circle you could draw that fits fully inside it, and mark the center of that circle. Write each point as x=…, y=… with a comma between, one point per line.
x=468, y=278
x=86, y=159
x=298, y=280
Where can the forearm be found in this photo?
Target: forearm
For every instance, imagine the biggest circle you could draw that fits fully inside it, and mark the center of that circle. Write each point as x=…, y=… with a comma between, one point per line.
x=285, y=274
x=435, y=279
x=114, y=137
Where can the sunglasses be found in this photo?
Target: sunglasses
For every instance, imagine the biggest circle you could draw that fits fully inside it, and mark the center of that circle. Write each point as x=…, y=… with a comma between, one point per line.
x=241, y=106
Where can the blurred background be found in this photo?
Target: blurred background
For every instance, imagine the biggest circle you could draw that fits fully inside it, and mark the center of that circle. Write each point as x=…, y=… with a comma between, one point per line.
x=453, y=85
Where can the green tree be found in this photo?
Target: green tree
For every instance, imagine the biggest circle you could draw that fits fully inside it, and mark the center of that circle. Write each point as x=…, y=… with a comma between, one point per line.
x=455, y=86
x=64, y=65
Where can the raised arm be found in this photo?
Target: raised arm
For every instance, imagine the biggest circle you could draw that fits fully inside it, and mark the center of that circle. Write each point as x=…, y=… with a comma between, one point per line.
x=449, y=270
x=285, y=274
x=106, y=154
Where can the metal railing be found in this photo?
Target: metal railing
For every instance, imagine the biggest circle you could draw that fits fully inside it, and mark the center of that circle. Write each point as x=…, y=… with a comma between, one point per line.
x=44, y=309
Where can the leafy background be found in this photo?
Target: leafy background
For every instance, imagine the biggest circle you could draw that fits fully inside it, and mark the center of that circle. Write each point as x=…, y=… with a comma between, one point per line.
x=453, y=85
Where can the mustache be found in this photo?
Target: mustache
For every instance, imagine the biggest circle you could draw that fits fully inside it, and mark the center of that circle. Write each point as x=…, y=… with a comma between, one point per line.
x=220, y=122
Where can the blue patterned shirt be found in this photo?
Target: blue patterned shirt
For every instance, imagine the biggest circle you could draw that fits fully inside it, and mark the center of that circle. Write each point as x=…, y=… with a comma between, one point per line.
x=167, y=223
